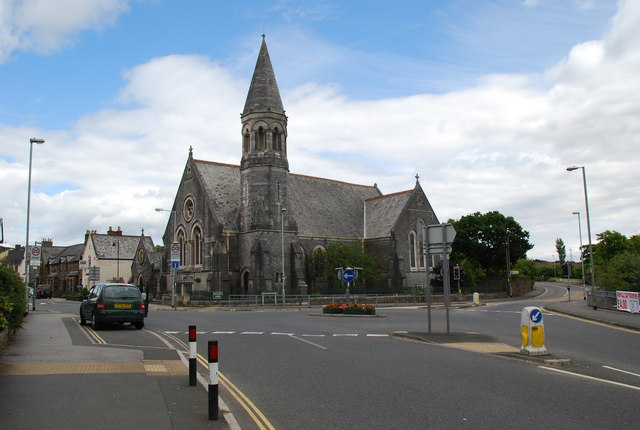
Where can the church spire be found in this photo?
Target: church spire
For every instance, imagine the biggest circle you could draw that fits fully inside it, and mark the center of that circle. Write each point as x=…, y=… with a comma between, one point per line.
x=264, y=95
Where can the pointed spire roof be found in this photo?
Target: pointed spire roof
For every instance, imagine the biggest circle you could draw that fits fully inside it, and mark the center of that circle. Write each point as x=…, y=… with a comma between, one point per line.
x=264, y=95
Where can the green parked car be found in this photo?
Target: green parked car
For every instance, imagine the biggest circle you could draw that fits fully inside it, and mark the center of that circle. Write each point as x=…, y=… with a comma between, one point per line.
x=113, y=303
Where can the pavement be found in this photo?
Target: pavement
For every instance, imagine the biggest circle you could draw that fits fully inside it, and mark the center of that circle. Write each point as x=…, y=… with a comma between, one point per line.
x=53, y=375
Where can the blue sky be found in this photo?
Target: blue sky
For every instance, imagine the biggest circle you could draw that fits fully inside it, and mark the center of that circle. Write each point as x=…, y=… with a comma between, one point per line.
x=473, y=95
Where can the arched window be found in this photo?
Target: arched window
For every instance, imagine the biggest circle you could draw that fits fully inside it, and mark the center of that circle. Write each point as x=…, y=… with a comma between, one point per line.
x=261, y=139
x=246, y=140
x=197, y=246
x=181, y=241
x=412, y=249
x=422, y=240
x=276, y=140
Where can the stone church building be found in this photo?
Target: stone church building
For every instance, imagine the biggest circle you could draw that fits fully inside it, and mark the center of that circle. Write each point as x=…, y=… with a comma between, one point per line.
x=235, y=223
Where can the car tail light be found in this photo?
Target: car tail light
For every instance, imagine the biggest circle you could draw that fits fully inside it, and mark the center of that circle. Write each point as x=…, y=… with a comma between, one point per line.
x=141, y=306
x=101, y=306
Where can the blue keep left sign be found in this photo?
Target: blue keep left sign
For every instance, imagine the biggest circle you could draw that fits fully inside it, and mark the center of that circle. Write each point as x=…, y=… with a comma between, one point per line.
x=348, y=275
x=175, y=264
x=536, y=316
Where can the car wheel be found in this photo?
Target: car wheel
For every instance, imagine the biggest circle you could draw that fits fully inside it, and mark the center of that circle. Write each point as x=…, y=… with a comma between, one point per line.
x=94, y=322
x=139, y=325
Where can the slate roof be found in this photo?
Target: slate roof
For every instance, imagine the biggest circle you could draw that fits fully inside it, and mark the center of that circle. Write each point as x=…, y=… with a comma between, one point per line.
x=324, y=207
x=263, y=95
x=103, y=244
x=321, y=207
x=383, y=212
x=68, y=254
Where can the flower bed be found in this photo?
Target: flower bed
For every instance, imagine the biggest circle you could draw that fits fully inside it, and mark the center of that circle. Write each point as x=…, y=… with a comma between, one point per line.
x=349, y=309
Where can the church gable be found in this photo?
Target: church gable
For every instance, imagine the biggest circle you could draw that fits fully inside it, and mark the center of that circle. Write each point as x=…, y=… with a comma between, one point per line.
x=383, y=213
x=221, y=184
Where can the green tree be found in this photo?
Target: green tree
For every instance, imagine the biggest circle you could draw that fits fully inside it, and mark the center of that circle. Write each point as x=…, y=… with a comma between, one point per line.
x=13, y=300
x=322, y=265
x=562, y=251
x=527, y=268
x=483, y=238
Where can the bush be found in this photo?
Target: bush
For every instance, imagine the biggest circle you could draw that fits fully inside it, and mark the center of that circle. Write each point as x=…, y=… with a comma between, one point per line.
x=13, y=300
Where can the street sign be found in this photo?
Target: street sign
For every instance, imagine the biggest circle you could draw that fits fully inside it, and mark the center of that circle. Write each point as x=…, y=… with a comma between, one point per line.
x=35, y=255
x=440, y=237
x=175, y=264
x=94, y=273
x=348, y=275
x=536, y=316
x=217, y=295
x=175, y=251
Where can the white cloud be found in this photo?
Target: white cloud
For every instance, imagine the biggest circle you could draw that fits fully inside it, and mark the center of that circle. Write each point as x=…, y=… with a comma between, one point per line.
x=45, y=26
x=502, y=144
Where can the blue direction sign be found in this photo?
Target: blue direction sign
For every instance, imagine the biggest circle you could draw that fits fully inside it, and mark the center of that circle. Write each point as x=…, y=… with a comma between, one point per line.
x=536, y=316
x=348, y=275
x=175, y=264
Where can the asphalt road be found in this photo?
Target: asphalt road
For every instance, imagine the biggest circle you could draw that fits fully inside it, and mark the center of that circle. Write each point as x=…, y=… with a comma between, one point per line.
x=315, y=372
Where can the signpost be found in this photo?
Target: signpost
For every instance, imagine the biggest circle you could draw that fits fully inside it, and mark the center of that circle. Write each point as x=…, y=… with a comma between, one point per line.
x=439, y=240
x=175, y=264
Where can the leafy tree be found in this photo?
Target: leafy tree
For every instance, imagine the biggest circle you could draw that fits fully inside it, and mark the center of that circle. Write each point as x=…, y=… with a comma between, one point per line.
x=562, y=251
x=322, y=264
x=527, y=268
x=482, y=239
x=13, y=300
x=617, y=261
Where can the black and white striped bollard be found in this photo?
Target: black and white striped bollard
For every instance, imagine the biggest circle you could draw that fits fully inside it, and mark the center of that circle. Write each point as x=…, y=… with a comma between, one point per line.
x=192, y=356
x=213, y=380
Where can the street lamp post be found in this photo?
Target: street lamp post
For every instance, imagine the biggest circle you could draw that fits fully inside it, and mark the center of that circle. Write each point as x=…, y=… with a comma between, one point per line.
x=282, y=212
x=584, y=289
x=594, y=302
x=27, y=255
x=173, y=271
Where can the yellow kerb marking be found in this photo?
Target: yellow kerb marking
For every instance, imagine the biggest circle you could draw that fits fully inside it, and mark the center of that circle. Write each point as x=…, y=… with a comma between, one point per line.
x=491, y=347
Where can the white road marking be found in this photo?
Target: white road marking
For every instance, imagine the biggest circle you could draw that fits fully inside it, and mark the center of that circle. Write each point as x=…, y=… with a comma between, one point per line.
x=223, y=332
x=309, y=342
x=591, y=378
x=252, y=332
x=345, y=335
x=313, y=335
x=622, y=371
x=377, y=335
x=282, y=334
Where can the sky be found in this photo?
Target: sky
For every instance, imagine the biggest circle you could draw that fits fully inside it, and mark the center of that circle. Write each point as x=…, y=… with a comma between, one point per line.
x=487, y=101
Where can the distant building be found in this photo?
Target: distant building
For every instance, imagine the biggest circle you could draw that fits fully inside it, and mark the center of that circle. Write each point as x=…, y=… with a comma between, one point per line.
x=113, y=253
x=230, y=220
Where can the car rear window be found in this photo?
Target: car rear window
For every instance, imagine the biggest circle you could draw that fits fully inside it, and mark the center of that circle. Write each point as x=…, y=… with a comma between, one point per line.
x=116, y=292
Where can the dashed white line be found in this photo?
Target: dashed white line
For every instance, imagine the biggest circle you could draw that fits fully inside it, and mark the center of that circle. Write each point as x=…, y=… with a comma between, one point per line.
x=223, y=332
x=377, y=335
x=313, y=335
x=345, y=335
x=252, y=332
x=282, y=334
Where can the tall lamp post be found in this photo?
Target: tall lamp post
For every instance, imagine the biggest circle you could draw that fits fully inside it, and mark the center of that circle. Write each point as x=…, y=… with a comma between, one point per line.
x=594, y=302
x=173, y=271
x=282, y=212
x=27, y=255
x=584, y=290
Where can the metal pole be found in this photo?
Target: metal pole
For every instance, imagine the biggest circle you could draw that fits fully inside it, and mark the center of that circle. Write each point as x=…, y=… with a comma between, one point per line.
x=213, y=380
x=445, y=275
x=192, y=356
x=27, y=256
x=591, y=269
x=584, y=288
x=428, y=290
x=282, y=211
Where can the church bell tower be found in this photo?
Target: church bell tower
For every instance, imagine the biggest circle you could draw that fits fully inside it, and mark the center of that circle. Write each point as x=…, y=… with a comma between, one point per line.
x=264, y=172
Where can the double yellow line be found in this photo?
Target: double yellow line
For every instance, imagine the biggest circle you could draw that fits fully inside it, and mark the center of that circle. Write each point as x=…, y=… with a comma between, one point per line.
x=95, y=336
x=258, y=417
